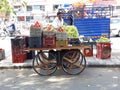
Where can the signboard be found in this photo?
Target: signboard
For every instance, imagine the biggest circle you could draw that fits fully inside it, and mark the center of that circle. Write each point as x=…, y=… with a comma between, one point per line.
x=106, y=2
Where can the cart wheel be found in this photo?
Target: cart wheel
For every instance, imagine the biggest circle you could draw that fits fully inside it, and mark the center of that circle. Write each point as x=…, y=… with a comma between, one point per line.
x=73, y=62
x=45, y=63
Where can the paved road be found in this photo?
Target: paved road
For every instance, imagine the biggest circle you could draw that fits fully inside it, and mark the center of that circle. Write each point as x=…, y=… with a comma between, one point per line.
x=90, y=79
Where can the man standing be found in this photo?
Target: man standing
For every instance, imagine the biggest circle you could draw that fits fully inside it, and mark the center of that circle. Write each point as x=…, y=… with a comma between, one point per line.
x=58, y=21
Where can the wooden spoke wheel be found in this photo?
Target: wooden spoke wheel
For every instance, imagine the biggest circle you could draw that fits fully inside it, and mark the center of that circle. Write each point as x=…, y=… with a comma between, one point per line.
x=45, y=63
x=73, y=62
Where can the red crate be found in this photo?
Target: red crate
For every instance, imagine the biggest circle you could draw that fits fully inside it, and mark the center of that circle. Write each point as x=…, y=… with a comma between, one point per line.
x=103, y=50
x=19, y=58
x=18, y=54
x=49, y=42
x=87, y=52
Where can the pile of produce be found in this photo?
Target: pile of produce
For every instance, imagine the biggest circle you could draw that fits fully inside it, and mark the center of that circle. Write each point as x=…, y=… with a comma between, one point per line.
x=72, y=31
x=49, y=28
x=60, y=29
x=103, y=40
x=37, y=24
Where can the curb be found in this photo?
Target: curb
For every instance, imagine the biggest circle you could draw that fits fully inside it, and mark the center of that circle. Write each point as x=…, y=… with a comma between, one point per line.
x=87, y=66
x=16, y=67
x=104, y=66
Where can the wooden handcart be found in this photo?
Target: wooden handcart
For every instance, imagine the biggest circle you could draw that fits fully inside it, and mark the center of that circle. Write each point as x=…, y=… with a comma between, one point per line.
x=48, y=60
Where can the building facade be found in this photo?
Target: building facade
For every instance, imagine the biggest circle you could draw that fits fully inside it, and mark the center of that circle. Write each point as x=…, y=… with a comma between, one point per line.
x=40, y=9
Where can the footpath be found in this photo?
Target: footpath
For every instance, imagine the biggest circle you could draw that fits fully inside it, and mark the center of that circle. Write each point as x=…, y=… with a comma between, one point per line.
x=113, y=61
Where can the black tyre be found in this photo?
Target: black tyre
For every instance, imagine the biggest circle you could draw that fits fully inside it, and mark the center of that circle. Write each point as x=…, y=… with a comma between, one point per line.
x=43, y=65
x=73, y=62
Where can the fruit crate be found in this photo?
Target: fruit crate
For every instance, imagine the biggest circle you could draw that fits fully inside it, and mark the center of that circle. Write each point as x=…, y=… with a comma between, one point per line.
x=61, y=43
x=18, y=54
x=49, y=41
x=87, y=51
x=103, y=50
x=35, y=42
x=61, y=36
x=35, y=32
x=49, y=33
x=18, y=41
x=19, y=58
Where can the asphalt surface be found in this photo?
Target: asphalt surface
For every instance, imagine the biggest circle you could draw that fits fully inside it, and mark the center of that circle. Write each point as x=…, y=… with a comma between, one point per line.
x=90, y=79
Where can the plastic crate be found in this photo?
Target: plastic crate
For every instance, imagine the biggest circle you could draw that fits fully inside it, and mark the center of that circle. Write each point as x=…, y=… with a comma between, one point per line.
x=89, y=44
x=87, y=52
x=18, y=41
x=49, y=33
x=19, y=58
x=35, y=42
x=18, y=54
x=103, y=50
x=61, y=36
x=61, y=43
x=49, y=41
x=35, y=32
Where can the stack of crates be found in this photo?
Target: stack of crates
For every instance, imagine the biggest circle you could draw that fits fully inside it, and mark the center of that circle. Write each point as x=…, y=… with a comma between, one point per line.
x=61, y=39
x=49, y=39
x=103, y=50
x=35, y=40
x=18, y=46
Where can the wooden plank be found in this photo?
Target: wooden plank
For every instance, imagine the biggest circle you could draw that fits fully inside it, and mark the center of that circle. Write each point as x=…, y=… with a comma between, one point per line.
x=59, y=48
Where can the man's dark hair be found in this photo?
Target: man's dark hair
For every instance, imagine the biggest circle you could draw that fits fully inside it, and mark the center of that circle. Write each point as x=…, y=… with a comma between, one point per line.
x=59, y=13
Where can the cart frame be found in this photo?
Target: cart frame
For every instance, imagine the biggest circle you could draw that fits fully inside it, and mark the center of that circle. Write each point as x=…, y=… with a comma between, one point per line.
x=68, y=58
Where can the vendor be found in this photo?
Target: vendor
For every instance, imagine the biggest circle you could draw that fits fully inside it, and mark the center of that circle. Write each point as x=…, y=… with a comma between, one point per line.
x=58, y=21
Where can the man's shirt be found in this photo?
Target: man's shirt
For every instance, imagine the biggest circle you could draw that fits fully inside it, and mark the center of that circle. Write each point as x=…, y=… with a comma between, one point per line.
x=57, y=22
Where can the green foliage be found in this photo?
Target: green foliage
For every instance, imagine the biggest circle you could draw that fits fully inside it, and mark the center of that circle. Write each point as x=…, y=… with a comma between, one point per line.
x=6, y=8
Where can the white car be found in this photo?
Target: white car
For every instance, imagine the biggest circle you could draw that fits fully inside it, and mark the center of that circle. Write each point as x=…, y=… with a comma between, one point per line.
x=115, y=27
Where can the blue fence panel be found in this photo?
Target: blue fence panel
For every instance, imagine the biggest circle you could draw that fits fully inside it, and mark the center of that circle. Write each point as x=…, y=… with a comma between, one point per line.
x=93, y=26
